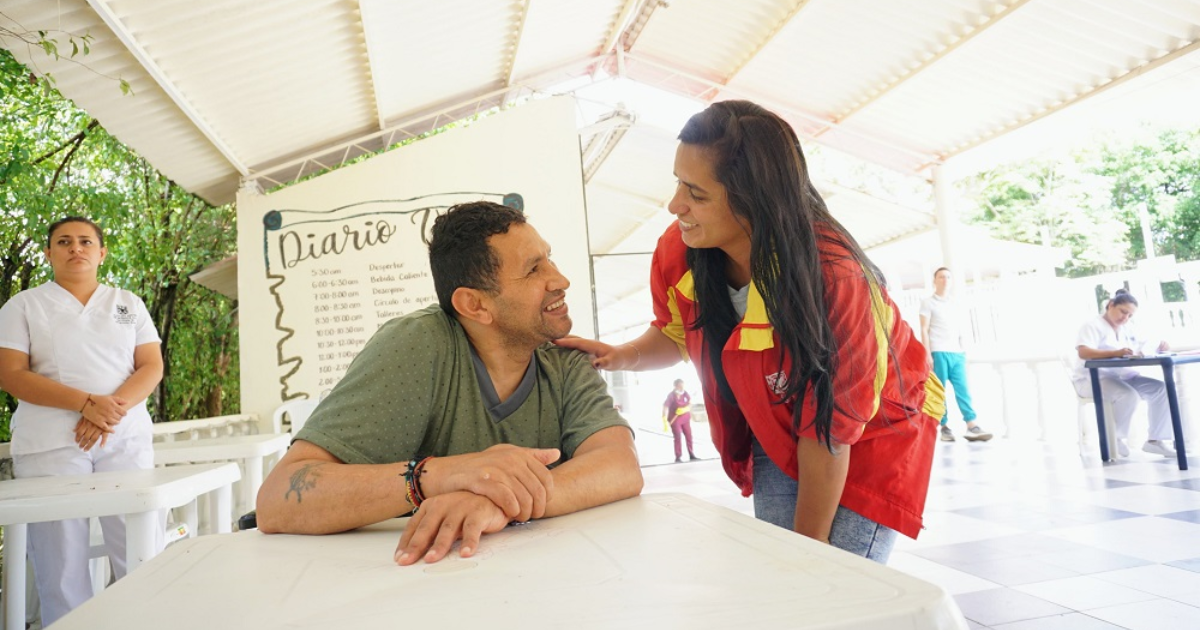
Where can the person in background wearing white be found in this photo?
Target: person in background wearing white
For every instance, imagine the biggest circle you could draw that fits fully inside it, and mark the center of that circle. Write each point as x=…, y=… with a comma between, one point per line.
x=941, y=334
x=1108, y=336
x=81, y=358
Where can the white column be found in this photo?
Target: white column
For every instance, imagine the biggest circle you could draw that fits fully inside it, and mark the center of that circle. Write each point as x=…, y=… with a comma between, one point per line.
x=15, y=540
x=947, y=220
x=220, y=507
x=248, y=190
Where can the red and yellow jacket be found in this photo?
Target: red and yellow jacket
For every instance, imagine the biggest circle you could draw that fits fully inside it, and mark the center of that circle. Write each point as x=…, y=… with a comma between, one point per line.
x=886, y=399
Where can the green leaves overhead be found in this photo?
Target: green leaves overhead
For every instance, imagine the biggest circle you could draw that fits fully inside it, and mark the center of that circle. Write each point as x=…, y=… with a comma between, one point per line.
x=55, y=160
x=1089, y=200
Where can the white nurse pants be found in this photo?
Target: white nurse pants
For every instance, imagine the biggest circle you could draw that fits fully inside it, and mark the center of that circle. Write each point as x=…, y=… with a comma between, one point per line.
x=1124, y=395
x=59, y=549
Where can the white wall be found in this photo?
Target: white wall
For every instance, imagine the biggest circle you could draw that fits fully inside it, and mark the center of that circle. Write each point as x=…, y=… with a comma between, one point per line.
x=322, y=264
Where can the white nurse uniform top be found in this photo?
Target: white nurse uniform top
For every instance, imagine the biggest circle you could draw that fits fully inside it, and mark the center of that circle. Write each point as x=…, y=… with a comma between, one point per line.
x=88, y=347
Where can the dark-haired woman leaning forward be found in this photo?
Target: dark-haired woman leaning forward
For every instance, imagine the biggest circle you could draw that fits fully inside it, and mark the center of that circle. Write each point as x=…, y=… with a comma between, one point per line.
x=820, y=399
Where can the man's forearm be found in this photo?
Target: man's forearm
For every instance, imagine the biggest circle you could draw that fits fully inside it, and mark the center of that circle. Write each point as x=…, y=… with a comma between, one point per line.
x=601, y=475
x=321, y=497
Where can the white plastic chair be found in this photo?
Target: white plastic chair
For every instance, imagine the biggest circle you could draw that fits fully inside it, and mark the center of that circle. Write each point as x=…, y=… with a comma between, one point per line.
x=1086, y=415
x=297, y=412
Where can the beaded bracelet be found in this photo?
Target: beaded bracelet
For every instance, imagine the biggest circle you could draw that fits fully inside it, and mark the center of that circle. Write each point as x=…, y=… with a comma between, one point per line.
x=412, y=482
x=410, y=492
x=417, y=472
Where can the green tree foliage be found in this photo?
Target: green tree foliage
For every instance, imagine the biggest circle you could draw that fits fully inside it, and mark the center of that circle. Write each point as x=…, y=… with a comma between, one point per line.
x=56, y=161
x=1161, y=172
x=1089, y=201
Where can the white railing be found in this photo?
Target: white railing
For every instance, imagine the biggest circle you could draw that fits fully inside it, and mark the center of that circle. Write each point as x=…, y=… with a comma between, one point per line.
x=217, y=426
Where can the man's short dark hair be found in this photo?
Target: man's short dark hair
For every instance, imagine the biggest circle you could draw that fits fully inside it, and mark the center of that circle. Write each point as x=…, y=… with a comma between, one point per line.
x=459, y=255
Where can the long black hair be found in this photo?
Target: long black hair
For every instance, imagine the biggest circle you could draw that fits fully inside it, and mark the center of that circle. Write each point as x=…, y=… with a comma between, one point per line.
x=757, y=158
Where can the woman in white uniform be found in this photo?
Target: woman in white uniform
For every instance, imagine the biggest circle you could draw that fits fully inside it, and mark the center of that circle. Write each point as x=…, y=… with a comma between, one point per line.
x=81, y=358
x=1108, y=336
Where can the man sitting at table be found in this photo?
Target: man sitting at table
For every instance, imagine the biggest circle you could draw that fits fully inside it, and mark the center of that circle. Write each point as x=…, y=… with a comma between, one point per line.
x=460, y=408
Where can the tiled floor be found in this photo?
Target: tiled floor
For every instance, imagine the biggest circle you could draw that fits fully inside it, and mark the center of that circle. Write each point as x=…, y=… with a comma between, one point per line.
x=1028, y=535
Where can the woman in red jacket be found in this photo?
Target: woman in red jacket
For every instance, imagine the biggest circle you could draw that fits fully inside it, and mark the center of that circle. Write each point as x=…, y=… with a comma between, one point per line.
x=820, y=400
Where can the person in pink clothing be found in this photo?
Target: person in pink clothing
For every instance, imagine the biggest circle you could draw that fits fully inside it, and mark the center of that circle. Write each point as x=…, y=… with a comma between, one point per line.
x=677, y=410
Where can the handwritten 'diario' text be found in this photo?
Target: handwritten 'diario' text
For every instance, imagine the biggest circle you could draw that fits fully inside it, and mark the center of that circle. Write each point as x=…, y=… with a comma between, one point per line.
x=296, y=247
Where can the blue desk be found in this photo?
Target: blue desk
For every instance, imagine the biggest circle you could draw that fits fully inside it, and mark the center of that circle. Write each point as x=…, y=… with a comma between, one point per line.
x=1168, y=363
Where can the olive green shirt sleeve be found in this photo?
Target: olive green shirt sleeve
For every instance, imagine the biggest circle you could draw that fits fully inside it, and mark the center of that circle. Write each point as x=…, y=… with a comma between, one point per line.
x=587, y=406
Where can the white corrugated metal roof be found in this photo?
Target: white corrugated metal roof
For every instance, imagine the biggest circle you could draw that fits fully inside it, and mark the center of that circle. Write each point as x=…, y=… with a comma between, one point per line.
x=227, y=88
x=266, y=91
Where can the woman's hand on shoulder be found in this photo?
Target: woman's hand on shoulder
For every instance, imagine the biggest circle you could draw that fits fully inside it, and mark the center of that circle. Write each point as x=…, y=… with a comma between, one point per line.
x=603, y=356
x=599, y=351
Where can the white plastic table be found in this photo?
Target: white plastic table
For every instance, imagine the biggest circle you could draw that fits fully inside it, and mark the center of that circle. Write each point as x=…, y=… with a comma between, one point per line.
x=656, y=561
x=250, y=450
x=138, y=494
x=1167, y=362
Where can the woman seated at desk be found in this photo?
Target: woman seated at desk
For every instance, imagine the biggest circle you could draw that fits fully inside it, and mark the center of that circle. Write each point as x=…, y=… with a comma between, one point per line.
x=1108, y=336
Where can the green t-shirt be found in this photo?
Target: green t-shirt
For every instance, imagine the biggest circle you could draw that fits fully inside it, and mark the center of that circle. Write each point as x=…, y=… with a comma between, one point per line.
x=412, y=392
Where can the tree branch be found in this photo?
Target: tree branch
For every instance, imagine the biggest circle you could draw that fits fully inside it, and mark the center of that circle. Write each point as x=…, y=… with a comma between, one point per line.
x=79, y=138
x=75, y=139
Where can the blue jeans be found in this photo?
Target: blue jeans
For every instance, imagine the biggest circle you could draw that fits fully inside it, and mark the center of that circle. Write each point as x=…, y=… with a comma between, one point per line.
x=951, y=370
x=775, y=503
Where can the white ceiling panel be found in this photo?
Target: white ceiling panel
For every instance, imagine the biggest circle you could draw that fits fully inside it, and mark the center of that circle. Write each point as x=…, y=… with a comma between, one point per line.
x=272, y=90
x=228, y=68
x=861, y=46
x=1044, y=56
x=710, y=39
x=557, y=32
x=432, y=53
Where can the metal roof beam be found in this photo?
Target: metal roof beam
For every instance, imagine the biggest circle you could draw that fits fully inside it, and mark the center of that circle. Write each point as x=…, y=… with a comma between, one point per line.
x=938, y=56
x=621, y=24
x=800, y=4
x=634, y=30
x=518, y=35
x=598, y=154
x=491, y=98
x=118, y=28
x=1184, y=49
x=372, y=71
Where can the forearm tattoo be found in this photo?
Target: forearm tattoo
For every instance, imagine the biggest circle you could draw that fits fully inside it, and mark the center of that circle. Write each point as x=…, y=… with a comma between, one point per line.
x=302, y=481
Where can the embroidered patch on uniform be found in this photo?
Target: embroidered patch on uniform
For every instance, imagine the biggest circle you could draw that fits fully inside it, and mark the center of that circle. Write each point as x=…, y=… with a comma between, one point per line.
x=124, y=317
x=777, y=382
